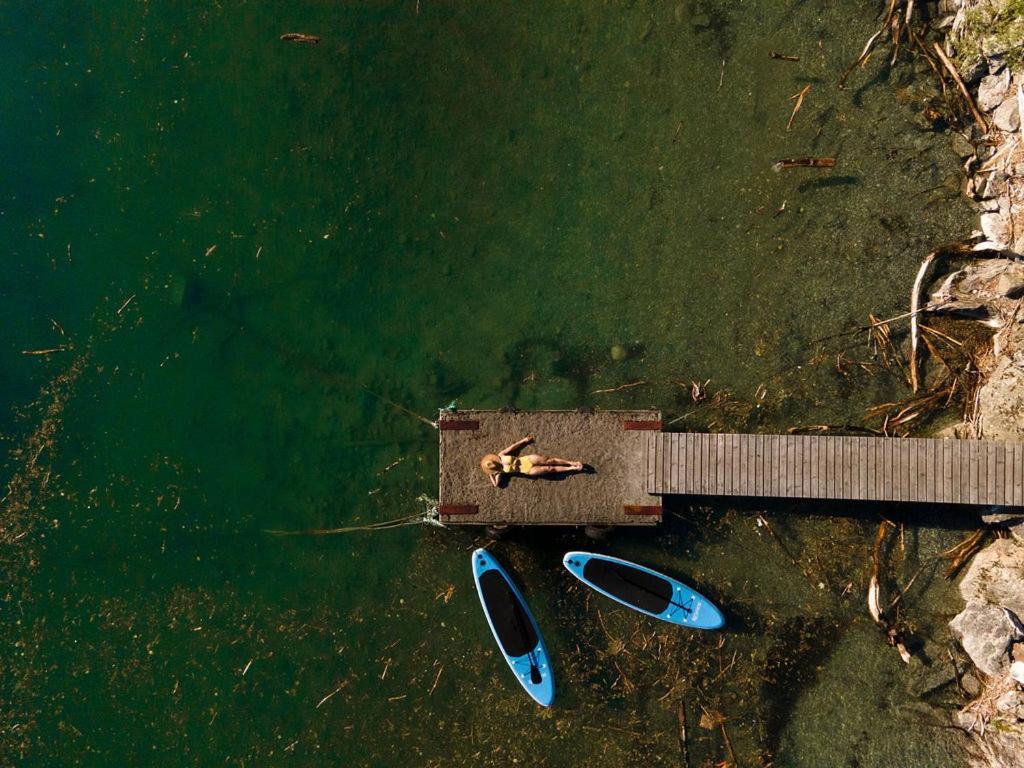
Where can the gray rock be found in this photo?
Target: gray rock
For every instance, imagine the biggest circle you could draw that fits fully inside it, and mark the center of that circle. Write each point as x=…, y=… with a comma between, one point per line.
x=993, y=89
x=1011, y=703
x=996, y=576
x=1017, y=531
x=986, y=632
x=962, y=145
x=1007, y=117
x=1010, y=285
x=996, y=228
x=971, y=684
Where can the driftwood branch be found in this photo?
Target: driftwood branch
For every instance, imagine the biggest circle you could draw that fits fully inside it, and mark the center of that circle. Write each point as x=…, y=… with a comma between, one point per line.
x=978, y=118
x=915, y=305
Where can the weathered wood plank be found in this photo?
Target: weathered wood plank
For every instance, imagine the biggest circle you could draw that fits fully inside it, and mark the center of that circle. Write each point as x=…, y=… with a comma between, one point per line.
x=707, y=465
x=990, y=473
x=813, y=468
x=844, y=467
x=868, y=462
x=856, y=471
x=691, y=464
x=1018, y=475
x=737, y=466
x=1000, y=474
x=791, y=466
x=1008, y=471
x=910, y=489
x=972, y=464
x=928, y=483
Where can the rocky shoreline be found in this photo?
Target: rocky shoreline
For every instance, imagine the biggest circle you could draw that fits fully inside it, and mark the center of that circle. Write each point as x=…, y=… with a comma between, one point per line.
x=986, y=40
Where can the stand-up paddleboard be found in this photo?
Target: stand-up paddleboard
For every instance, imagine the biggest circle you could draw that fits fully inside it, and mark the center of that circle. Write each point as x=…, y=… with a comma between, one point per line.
x=514, y=628
x=644, y=590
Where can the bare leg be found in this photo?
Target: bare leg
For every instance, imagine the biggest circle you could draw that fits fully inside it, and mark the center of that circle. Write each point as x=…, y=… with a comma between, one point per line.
x=552, y=470
x=550, y=461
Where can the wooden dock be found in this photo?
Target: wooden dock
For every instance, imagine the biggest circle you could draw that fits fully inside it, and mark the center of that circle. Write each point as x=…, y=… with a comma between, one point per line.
x=636, y=464
x=614, y=443
x=978, y=472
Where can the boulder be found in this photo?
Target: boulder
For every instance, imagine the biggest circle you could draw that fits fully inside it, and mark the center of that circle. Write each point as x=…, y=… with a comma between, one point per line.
x=1000, y=404
x=996, y=227
x=986, y=632
x=1007, y=117
x=993, y=89
x=996, y=576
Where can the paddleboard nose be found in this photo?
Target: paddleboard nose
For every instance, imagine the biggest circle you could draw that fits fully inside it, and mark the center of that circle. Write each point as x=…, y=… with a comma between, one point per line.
x=573, y=562
x=481, y=559
x=712, y=618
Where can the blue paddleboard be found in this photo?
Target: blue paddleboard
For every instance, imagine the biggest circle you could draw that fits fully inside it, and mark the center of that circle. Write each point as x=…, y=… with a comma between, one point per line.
x=644, y=590
x=514, y=628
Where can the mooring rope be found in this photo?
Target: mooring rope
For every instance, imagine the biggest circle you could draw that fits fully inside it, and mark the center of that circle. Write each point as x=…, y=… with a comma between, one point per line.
x=428, y=517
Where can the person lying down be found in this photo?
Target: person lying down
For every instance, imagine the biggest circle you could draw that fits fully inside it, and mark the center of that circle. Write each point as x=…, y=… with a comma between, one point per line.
x=506, y=463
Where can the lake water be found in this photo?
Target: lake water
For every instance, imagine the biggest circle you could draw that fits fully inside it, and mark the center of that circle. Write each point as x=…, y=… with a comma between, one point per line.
x=245, y=250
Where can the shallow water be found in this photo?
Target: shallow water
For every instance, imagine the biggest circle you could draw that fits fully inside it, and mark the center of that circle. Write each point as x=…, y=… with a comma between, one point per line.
x=254, y=246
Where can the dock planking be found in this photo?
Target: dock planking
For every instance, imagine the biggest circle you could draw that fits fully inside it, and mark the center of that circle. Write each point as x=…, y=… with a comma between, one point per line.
x=844, y=468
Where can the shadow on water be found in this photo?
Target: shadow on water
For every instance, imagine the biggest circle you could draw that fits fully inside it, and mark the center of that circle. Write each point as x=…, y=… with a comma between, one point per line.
x=829, y=183
x=798, y=647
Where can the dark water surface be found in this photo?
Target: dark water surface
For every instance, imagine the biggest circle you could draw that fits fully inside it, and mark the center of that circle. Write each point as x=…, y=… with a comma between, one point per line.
x=250, y=247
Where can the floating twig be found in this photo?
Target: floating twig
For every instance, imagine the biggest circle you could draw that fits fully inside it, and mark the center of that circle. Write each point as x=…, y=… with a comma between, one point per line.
x=124, y=306
x=620, y=387
x=804, y=162
x=862, y=58
x=299, y=37
x=336, y=691
x=799, y=103
x=434, y=686
x=48, y=351
x=782, y=56
x=915, y=303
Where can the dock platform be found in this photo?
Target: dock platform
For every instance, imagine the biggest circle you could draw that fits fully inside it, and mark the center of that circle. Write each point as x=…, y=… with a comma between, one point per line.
x=614, y=443
x=636, y=464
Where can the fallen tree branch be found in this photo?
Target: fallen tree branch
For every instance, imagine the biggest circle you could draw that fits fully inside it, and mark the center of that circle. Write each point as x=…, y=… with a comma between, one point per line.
x=915, y=304
x=978, y=118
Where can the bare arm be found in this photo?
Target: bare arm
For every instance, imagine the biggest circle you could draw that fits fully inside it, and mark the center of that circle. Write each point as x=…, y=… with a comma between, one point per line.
x=516, y=445
x=495, y=479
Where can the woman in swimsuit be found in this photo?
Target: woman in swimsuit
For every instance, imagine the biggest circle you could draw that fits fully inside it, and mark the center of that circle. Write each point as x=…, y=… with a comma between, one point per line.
x=531, y=465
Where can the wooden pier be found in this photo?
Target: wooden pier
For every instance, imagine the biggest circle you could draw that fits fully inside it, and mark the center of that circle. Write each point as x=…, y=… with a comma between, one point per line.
x=979, y=472
x=635, y=464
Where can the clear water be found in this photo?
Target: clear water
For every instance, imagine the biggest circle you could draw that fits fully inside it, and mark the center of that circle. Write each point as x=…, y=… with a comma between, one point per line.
x=249, y=244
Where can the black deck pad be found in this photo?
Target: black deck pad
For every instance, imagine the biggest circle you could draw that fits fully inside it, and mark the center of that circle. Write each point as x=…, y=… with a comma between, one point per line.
x=640, y=588
x=508, y=615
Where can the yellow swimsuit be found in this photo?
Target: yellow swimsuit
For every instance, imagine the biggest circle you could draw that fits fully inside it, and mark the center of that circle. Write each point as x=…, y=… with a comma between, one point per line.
x=512, y=464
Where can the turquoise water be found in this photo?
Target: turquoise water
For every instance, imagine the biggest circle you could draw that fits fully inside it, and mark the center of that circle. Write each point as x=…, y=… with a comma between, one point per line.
x=246, y=247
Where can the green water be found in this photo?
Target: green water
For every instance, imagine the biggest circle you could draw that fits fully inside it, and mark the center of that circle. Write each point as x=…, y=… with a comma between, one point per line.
x=246, y=244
